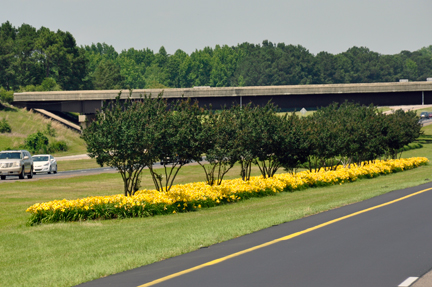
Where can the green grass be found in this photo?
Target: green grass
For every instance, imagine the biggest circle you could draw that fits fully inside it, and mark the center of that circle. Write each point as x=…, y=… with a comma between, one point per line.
x=423, y=110
x=384, y=109
x=66, y=254
x=65, y=165
x=24, y=123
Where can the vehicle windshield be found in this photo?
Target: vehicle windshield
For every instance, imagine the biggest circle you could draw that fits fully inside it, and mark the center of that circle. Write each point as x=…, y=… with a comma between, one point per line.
x=40, y=158
x=10, y=155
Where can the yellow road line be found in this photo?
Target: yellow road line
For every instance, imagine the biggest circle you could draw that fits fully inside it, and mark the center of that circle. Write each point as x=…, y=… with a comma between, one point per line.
x=216, y=261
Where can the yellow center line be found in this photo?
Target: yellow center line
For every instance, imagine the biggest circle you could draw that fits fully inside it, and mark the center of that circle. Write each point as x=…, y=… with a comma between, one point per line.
x=216, y=261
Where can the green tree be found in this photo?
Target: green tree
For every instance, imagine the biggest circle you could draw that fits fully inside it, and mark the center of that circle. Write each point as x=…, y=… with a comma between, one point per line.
x=201, y=67
x=245, y=141
x=267, y=140
x=132, y=73
x=175, y=69
x=223, y=64
x=29, y=70
x=293, y=146
x=219, y=136
x=6, y=96
x=124, y=135
x=7, y=56
x=107, y=76
x=402, y=128
x=178, y=142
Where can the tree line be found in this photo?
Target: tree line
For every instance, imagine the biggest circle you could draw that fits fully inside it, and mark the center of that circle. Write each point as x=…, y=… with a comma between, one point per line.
x=39, y=59
x=134, y=134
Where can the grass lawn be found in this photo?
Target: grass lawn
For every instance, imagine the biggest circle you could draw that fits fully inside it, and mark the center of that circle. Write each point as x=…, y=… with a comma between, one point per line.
x=24, y=123
x=65, y=165
x=66, y=254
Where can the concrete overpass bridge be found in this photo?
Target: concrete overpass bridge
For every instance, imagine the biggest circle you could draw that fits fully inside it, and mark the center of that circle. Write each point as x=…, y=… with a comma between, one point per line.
x=286, y=97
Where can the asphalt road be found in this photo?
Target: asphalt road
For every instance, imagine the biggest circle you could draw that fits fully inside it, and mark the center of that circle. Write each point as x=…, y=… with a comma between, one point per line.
x=426, y=122
x=63, y=174
x=72, y=173
x=379, y=247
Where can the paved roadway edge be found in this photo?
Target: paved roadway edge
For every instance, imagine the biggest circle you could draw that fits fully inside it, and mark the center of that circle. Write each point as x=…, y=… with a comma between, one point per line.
x=293, y=235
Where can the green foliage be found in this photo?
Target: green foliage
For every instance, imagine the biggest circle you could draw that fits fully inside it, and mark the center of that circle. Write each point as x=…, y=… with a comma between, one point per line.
x=6, y=96
x=57, y=146
x=36, y=143
x=50, y=131
x=132, y=135
x=348, y=132
x=219, y=135
x=28, y=56
x=179, y=140
x=48, y=84
x=402, y=128
x=123, y=136
x=4, y=126
x=107, y=76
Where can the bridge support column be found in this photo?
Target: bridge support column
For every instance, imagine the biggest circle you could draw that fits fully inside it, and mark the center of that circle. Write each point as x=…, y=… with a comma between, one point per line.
x=85, y=119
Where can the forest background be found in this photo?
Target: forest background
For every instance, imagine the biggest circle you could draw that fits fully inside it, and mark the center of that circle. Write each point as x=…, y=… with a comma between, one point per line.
x=42, y=60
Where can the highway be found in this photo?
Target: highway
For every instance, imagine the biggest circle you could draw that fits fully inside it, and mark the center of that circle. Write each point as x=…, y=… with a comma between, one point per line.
x=63, y=174
x=73, y=173
x=378, y=242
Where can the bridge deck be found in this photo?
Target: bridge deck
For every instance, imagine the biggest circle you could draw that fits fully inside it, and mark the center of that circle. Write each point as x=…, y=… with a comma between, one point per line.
x=202, y=92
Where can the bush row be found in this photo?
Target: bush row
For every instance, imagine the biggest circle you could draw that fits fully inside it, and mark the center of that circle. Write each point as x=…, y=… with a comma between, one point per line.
x=193, y=196
x=134, y=134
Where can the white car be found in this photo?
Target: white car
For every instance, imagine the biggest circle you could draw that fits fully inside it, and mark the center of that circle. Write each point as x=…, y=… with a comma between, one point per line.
x=44, y=163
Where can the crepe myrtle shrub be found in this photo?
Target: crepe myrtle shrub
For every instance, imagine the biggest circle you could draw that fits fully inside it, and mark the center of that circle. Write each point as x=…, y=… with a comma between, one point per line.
x=265, y=128
x=366, y=139
x=326, y=138
x=345, y=133
x=277, y=141
x=124, y=134
x=242, y=146
x=295, y=143
x=362, y=130
x=219, y=135
x=401, y=128
x=180, y=140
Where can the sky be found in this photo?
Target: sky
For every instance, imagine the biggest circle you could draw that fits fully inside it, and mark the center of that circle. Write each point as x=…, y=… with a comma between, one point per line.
x=334, y=26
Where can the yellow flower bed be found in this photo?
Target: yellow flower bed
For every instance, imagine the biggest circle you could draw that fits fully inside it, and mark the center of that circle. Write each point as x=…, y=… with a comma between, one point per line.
x=192, y=196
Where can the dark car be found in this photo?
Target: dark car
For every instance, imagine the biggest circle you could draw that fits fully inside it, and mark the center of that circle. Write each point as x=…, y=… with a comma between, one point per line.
x=425, y=115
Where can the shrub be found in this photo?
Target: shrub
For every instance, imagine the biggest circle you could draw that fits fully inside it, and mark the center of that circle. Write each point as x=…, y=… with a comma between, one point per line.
x=6, y=96
x=37, y=143
x=5, y=127
x=58, y=146
x=193, y=196
x=50, y=131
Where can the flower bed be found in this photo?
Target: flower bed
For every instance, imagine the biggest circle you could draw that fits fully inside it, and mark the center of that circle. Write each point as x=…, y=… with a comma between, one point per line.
x=192, y=196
